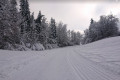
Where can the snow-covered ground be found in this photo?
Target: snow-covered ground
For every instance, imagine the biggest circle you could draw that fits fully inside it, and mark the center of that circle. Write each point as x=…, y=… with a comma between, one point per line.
x=95, y=61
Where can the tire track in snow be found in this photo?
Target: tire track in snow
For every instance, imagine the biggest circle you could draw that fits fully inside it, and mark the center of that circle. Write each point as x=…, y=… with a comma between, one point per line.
x=97, y=71
x=74, y=68
x=92, y=68
x=100, y=69
x=85, y=69
x=79, y=70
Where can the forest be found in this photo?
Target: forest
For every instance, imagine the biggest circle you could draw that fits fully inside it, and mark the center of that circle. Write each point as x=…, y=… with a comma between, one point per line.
x=19, y=30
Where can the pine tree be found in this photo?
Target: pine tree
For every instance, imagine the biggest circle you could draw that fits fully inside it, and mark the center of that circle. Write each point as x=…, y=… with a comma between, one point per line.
x=31, y=36
x=8, y=24
x=3, y=17
x=92, y=28
x=28, y=28
x=22, y=13
x=15, y=20
x=92, y=21
x=39, y=18
x=43, y=34
x=39, y=28
x=53, y=34
x=25, y=13
x=38, y=22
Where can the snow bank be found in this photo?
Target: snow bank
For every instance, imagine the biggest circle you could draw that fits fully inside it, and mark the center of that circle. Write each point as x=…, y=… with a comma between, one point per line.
x=51, y=46
x=27, y=47
x=37, y=47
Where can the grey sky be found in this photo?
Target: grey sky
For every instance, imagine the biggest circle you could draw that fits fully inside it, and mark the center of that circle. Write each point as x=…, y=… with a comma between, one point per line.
x=77, y=14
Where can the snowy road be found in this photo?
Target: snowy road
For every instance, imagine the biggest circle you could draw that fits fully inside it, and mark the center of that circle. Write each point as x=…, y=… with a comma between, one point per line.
x=57, y=64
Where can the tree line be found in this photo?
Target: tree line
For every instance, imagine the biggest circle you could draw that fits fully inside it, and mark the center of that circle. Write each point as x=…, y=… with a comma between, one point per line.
x=19, y=28
x=106, y=26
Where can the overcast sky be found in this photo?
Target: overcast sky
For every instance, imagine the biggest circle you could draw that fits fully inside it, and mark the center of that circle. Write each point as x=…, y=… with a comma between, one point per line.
x=77, y=14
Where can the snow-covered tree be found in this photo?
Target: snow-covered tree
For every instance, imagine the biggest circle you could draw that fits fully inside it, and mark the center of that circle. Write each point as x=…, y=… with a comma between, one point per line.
x=86, y=37
x=9, y=28
x=62, y=37
x=15, y=20
x=108, y=26
x=31, y=35
x=105, y=27
x=59, y=35
x=93, y=31
x=25, y=13
x=78, y=38
x=53, y=29
x=52, y=32
x=39, y=18
x=69, y=35
x=38, y=22
x=43, y=34
x=73, y=37
x=3, y=18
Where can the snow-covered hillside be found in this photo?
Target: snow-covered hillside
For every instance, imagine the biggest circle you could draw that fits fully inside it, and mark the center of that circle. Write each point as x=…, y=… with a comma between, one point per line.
x=99, y=60
x=105, y=52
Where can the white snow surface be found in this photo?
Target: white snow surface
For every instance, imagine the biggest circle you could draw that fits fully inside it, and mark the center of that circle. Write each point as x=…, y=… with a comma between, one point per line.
x=99, y=60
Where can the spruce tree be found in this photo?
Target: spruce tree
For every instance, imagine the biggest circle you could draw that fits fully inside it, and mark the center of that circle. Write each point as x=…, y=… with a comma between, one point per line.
x=43, y=34
x=53, y=34
x=28, y=28
x=3, y=17
x=15, y=20
x=32, y=39
x=25, y=13
x=22, y=13
x=39, y=18
x=38, y=22
x=8, y=24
